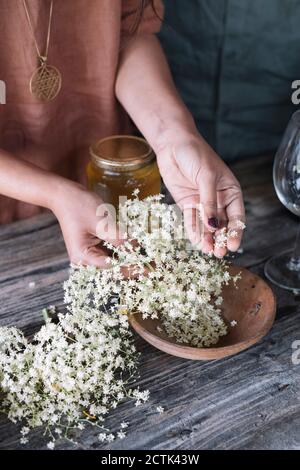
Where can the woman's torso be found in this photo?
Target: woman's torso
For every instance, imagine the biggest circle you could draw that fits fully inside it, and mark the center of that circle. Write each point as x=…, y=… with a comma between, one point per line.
x=84, y=46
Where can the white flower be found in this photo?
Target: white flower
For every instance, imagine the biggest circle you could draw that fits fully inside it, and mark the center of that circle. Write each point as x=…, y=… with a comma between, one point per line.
x=233, y=323
x=51, y=445
x=232, y=233
x=160, y=409
x=76, y=370
x=25, y=430
x=240, y=224
x=221, y=236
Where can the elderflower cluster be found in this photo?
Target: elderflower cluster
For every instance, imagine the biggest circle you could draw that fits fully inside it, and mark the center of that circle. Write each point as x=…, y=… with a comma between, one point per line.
x=74, y=371
x=80, y=367
x=181, y=288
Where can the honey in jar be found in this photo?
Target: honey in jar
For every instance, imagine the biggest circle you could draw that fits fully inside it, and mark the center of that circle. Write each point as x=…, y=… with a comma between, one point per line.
x=121, y=164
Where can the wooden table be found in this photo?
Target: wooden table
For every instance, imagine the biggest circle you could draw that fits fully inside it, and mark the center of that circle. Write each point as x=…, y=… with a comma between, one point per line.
x=248, y=401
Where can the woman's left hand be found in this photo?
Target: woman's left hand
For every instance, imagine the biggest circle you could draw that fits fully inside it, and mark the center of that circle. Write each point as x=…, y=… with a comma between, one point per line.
x=194, y=173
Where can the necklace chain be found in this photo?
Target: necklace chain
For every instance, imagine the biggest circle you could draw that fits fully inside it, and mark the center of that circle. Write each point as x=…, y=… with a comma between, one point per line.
x=45, y=82
x=43, y=58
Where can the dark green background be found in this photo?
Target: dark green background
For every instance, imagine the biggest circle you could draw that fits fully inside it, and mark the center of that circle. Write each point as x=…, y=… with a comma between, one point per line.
x=233, y=62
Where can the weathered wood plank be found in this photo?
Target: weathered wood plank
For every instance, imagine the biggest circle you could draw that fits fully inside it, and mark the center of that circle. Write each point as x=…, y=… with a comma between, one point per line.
x=251, y=400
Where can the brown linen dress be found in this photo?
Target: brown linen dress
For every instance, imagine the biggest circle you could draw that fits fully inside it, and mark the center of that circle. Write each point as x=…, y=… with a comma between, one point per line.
x=85, y=44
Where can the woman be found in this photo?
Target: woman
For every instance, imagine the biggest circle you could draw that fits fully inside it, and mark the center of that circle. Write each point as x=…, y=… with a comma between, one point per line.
x=110, y=62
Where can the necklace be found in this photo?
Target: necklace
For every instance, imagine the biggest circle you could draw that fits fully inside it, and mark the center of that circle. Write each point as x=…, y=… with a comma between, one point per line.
x=45, y=82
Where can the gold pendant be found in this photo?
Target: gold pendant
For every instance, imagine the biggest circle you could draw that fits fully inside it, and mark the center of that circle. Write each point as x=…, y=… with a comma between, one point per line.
x=45, y=82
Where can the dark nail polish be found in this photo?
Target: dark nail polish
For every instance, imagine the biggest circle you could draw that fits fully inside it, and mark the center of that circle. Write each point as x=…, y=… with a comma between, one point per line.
x=213, y=222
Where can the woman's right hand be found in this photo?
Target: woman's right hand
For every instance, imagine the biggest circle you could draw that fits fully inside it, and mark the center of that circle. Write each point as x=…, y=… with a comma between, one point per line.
x=77, y=209
x=85, y=223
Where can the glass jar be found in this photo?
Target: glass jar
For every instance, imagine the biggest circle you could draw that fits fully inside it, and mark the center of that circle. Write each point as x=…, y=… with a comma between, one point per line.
x=120, y=164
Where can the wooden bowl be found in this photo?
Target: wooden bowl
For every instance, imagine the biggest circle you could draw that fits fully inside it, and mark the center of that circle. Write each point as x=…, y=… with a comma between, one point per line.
x=252, y=304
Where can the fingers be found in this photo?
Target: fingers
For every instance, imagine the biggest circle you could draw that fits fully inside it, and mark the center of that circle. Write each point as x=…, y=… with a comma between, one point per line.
x=228, y=223
x=92, y=256
x=236, y=216
x=220, y=246
x=207, y=244
x=213, y=217
x=187, y=158
x=189, y=163
x=192, y=223
x=208, y=199
x=218, y=193
x=107, y=228
x=195, y=229
x=235, y=234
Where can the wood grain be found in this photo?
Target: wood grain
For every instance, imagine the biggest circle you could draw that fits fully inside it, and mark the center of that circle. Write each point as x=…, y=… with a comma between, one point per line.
x=247, y=401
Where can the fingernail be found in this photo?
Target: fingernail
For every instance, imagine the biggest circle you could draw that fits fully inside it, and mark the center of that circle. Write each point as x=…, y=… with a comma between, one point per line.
x=213, y=222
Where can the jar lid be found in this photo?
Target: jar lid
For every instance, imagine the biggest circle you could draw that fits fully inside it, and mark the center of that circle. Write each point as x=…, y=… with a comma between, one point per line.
x=121, y=152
